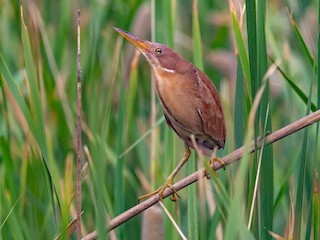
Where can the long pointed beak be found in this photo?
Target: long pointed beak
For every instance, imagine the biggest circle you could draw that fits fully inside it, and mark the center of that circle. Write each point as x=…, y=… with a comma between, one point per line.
x=142, y=45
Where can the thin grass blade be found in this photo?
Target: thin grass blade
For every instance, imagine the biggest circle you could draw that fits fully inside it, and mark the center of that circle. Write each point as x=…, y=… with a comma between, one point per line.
x=315, y=207
x=298, y=209
x=295, y=87
x=303, y=45
x=267, y=175
x=38, y=128
x=196, y=36
x=239, y=109
x=252, y=43
x=244, y=60
x=193, y=216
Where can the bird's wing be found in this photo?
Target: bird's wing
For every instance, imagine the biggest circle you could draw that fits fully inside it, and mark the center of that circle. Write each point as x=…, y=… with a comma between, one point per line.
x=211, y=110
x=167, y=120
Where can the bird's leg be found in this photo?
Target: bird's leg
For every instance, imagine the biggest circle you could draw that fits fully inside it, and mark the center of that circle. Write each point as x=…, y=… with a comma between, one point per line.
x=168, y=182
x=213, y=159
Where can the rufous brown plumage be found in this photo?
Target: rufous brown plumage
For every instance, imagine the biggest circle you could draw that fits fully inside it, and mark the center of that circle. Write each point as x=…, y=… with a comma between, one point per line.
x=189, y=99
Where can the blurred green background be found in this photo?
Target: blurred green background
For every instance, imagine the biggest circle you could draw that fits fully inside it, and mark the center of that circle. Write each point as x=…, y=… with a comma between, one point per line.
x=234, y=43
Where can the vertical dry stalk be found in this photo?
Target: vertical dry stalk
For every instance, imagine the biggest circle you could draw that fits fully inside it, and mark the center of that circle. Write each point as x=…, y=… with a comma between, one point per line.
x=79, y=137
x=153, y=106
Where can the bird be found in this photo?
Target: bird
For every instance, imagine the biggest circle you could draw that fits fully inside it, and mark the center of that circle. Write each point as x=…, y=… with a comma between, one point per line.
x=190, y=102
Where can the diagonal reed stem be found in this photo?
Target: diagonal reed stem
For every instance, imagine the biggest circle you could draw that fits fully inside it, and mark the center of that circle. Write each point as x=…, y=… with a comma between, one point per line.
x=228, y=159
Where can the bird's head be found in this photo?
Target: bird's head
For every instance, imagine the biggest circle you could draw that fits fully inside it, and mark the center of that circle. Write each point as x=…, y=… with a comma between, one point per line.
x=157, y=55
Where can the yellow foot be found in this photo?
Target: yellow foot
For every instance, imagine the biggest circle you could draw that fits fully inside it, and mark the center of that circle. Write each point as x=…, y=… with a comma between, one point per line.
x=211, y=164
x=216, y=159
x=160, y=191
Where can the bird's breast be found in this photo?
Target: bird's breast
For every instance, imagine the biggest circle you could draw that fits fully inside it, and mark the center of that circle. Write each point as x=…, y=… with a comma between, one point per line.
x=180, y=99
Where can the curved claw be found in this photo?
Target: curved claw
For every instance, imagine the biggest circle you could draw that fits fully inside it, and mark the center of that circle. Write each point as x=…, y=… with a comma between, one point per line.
x=168, y=184
x=216, y=159
x=161, y=190
x=211, y=163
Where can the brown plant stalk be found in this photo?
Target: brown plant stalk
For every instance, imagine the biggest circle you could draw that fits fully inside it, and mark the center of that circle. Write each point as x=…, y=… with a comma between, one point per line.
x=228, y=159
x=79, y=142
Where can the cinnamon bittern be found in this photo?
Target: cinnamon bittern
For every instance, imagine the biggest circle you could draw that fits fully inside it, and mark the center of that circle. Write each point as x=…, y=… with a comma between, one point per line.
x=190, y=102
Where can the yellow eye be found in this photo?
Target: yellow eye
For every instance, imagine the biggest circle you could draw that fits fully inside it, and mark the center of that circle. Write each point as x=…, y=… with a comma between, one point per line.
x=158, y=50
